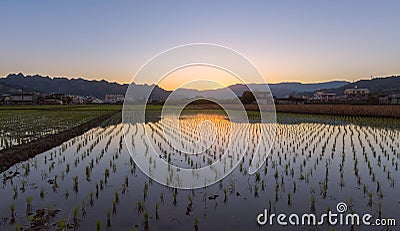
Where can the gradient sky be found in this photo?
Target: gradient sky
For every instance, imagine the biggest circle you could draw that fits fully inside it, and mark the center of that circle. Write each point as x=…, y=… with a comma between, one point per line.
x=307, y=41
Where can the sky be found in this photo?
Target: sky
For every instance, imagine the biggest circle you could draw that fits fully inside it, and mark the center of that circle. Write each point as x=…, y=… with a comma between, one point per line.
x=304, y=41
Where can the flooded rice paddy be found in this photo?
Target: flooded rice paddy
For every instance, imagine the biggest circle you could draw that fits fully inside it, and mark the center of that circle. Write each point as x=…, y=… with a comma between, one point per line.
x=91, y=183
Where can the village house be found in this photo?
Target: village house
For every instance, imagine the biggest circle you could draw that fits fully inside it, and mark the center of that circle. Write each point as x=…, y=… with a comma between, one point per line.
x=356, y=94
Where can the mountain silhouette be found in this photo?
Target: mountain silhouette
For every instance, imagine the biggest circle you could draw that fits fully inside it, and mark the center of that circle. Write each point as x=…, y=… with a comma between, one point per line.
x=45, y=84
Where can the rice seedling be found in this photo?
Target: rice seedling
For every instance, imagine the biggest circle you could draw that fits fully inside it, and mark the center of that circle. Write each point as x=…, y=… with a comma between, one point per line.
x=145, y=189
x=97, y=190
x=83, y=208
x=15, y=190
x=66, y=194
x=114, y=206
x=140, y=206
x=23, y=187
x=196, y=224
x=175, y=195
x=76, y=213
x=257, y=176
x=88, y=173
x=29, y=205
x=126, y=181
x=76, y=184
x=75, y=217
x=312, y=208
x=157, y=207
x=98, y=225
x=101, y=184
x=108, y=218
x=370, y=199
x=116, y=197
x=106, y=175
x=146, y=220
x=42, y=193
x=61, y=225
x=379, y=209
x=91, y=200
x=12, y=210
x=225, y=195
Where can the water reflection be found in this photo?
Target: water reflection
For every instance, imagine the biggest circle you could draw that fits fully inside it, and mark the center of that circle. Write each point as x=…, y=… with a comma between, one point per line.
x=91, y=180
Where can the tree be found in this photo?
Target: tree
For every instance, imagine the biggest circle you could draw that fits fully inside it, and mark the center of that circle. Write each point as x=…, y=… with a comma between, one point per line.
x=247, y=97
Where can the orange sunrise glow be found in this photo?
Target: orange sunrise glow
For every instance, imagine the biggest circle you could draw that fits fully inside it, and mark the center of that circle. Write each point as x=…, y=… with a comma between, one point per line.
x=181, y=76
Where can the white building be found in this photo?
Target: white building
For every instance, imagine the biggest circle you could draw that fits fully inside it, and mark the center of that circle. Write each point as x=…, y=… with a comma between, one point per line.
x=97, y=101
x=323, y=96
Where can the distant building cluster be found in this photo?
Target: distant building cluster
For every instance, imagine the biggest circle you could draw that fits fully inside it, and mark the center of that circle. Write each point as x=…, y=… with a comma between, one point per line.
x=393, y=99
x=263, y=97
x=350, y=95
x=319, y=96
x=114, y=99
x=57, y=99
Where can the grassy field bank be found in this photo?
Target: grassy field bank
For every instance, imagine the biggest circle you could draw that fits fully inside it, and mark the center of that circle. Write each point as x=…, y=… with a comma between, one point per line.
x=351, y=110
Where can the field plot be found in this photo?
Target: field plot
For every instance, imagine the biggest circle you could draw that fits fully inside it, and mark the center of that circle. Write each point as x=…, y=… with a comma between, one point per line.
x=22, y=124
x=91, y=183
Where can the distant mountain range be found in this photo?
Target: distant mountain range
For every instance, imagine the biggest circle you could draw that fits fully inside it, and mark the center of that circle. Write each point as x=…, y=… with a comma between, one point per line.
x=44, y=84
x=384, y=85
x=82, y=87
x=279, y=89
